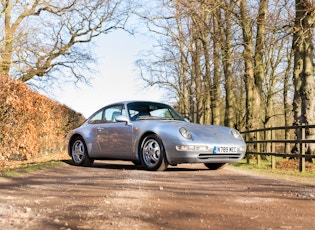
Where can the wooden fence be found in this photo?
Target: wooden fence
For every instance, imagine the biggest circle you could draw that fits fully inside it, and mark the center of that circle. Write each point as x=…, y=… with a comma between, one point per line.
x=277, y=142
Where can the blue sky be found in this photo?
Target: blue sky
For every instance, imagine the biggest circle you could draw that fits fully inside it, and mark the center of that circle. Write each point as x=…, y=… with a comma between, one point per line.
x=116, y=78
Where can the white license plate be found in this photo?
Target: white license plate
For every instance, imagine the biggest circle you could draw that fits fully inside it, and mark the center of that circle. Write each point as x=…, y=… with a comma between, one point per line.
x=224, y=149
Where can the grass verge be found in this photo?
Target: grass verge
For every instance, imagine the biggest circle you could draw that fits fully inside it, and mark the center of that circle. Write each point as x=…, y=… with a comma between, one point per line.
x=285, y=169
x=19, y=170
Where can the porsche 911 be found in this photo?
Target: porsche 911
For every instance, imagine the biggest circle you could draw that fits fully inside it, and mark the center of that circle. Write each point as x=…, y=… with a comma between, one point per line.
x=153, y=135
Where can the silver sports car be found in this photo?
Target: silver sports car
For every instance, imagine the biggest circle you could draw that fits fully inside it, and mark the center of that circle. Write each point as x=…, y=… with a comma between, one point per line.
x=153, y=135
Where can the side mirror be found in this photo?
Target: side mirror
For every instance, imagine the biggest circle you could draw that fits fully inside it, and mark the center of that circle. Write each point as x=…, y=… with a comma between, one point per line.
x=122, y=118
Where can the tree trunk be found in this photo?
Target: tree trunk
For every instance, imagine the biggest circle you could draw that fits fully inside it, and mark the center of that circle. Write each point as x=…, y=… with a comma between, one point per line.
x=252, y=93
x=260, y=43
x=303, y=75
x=215, y=99
x=5, y=60
x=286, y=106
x=203, y=23
x=183, y=81
x=229, y=114
x=198, y=81
x=207, y=81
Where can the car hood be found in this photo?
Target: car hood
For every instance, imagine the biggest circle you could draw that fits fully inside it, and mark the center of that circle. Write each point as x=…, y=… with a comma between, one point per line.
x=205, y=130
x=209, y=131
x=198, y=131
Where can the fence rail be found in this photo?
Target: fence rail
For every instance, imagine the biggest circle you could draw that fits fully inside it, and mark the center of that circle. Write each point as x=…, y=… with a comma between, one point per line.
x=270, y=142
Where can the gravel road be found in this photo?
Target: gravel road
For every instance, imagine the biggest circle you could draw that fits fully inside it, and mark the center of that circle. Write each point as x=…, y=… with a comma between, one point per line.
x=118, y=195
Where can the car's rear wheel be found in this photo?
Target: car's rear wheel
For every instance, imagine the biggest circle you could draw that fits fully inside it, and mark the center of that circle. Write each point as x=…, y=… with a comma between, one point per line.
x=214, y=166
x=79, y=153
x=152, y=154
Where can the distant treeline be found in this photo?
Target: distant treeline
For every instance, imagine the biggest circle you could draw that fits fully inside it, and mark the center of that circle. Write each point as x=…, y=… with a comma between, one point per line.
x=31, y=125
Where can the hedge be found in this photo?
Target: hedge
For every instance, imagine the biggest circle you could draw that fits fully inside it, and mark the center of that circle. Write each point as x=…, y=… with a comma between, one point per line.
x=31, y=124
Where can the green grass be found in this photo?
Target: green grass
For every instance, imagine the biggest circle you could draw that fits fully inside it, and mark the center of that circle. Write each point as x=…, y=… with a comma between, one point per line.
x=28, y=168
x=285, y=169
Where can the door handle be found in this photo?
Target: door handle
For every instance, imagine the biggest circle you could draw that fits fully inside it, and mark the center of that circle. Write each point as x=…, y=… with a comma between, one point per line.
x=100, y=129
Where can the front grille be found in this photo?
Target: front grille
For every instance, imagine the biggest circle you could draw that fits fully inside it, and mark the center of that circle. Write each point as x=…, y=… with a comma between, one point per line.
x=204, y=156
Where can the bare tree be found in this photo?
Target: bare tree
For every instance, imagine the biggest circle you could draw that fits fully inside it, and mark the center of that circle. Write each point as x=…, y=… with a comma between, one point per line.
x=217, y=60
x=238, y=46
x=185, y=31
x=169, y=64
x=41, y=37
x=303, y=75
x=253, y=98
x=226, y=49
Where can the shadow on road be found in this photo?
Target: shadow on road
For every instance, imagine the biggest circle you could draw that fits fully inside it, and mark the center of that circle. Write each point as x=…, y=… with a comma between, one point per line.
x=126, y=165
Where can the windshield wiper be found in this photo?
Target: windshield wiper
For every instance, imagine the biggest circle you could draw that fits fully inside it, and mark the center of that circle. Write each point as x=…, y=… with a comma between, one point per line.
x=167, y=118
x=154, y=118
x=145, y=118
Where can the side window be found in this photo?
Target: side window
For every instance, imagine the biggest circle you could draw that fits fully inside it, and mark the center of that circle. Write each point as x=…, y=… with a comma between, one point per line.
x=111, y=113
x=97, y=118
x=133, y=113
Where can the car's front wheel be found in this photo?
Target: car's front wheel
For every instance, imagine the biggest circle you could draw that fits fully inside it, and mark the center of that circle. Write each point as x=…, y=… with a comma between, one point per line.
x=152, y=154
x=214, y=166
x=79, y=153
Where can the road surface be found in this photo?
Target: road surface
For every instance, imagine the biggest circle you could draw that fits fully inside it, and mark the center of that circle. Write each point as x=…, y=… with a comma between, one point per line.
x=118, y=195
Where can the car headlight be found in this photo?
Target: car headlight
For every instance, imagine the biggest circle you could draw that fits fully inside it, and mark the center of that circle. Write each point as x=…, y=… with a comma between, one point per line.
x=185, y=133
x=236, y=134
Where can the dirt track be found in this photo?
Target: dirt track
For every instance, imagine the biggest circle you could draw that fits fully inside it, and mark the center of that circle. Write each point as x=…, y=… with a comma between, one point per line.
x=117, y=195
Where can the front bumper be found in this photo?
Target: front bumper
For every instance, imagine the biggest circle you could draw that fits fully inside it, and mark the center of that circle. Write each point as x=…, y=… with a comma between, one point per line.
x=175, y=156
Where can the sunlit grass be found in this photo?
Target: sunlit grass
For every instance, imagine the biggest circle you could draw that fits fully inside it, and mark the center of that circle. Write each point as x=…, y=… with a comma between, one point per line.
x=285, y=169
x=28, y=168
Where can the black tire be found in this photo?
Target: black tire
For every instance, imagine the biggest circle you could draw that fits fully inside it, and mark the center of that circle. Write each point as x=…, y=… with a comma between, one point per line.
x=79, y=153
x=214, y=166
x=152, y=154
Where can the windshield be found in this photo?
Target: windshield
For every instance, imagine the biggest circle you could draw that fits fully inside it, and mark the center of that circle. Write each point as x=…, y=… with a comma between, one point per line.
x=152, y=110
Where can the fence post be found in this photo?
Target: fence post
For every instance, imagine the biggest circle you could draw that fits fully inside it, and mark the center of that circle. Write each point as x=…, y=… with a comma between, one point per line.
x=273, y=150
x=258, y=150
x=247, y=155
x=267, y=135
x=286, y=145
x=302, y=151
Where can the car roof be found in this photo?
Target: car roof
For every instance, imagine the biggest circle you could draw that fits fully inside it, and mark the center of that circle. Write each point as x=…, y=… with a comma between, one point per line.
x=125, y=102
x=132, y=101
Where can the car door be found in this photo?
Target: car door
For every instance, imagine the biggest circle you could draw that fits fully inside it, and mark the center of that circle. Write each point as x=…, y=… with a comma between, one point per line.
x=114, y=139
